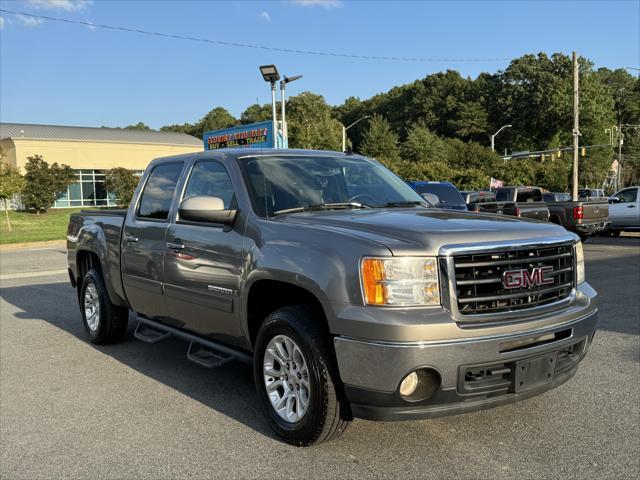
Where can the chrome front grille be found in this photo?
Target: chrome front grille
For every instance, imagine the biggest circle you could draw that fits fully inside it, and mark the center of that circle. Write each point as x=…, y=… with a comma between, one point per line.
x=477, y=278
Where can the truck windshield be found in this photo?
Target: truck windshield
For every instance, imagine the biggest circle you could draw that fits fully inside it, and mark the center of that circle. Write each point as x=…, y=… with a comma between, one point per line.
x=279, y=184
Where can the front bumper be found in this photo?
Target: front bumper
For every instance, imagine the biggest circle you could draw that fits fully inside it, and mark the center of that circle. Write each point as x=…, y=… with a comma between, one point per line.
x=372, y=370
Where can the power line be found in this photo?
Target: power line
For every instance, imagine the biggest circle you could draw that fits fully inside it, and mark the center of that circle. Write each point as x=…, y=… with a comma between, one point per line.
x=255, y=47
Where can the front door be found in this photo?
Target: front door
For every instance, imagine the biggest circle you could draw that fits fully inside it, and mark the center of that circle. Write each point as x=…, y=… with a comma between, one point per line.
x=143, y=243
x=203, y=261
x=625, y=213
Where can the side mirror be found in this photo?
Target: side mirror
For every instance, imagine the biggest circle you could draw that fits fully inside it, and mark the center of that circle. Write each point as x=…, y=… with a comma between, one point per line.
x=614, y=200
x=431, y=198
x=206, y=209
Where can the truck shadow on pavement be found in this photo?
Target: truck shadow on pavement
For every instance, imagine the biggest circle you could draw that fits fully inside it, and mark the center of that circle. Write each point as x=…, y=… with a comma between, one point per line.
x=228, y=389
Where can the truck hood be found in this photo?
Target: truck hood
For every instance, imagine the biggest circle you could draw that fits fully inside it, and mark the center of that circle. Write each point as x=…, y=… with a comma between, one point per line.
x=416, y=231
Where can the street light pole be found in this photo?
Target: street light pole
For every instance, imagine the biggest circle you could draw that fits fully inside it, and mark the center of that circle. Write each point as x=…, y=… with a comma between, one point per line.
x=270, y=74
x=344, y=131
x=274, y=120
x=283, y=83
x=493, y=137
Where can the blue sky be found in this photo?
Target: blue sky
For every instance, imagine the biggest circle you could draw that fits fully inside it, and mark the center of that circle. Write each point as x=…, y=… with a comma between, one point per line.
x=58, y=73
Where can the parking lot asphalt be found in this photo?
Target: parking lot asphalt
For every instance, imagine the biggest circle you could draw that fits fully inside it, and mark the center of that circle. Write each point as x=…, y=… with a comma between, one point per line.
x=69, y=409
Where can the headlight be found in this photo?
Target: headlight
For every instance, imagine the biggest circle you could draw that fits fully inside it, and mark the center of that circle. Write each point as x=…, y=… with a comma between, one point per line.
x=402, y=281
x=579, y=263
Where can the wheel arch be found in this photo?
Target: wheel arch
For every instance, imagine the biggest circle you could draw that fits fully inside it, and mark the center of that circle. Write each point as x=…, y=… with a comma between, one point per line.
x=265, y=295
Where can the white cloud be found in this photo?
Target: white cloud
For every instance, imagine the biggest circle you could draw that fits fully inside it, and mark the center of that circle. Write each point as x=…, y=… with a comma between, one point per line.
x=67, y=5
x=265, y=16
x=30, y=22
x=318, y=3
x=1, y=23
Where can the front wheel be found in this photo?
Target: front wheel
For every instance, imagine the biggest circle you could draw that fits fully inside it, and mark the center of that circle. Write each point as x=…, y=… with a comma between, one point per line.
x=103, y=321
x=296, y=378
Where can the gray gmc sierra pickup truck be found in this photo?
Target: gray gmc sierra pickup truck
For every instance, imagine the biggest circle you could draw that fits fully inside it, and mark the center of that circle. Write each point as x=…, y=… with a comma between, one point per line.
x=346, y=291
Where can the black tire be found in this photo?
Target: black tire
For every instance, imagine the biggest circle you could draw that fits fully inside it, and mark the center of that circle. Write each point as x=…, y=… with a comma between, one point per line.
x=584, y=238
x=112, y=319
x=615, y=233
x=327, y=415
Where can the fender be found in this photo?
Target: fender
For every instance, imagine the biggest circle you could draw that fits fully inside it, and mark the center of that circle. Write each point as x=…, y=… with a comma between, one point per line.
x=91, y=238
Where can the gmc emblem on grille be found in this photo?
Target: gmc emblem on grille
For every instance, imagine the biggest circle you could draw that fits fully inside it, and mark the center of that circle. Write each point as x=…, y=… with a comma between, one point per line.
x=524, y=278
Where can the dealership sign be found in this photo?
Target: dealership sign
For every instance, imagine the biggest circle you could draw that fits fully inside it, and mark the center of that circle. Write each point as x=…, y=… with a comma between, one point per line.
x=255, y=135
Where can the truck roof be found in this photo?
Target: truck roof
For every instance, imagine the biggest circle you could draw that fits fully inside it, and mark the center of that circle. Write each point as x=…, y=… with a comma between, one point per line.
x=257, y=152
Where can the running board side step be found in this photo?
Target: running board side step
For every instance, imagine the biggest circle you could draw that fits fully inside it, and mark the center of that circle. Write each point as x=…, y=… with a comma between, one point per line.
x=203, y=351
x=205, y=357
x=149, y=334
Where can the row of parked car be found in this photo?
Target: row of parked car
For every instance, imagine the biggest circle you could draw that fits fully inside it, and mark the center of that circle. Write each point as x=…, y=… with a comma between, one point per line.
x=594, y=213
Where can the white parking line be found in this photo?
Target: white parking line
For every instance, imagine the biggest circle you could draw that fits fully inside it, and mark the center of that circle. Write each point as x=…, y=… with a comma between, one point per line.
x=40, y=273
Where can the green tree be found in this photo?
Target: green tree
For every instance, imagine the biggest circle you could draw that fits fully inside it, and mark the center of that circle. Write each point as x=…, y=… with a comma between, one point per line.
x=122, y=182
x=380, y=141
x=11, y=183
x=256, y=113
x=138, y=126
x=184, y=128
x=310, y=123
x=216, y=119
x=44, y=183
x=422, y=145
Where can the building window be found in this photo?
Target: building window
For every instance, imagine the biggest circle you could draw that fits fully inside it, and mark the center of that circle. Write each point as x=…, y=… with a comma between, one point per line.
x=89, y=190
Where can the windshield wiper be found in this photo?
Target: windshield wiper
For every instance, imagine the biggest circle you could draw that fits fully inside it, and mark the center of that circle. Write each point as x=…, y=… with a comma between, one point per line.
x=410, y=203
x=320, y=206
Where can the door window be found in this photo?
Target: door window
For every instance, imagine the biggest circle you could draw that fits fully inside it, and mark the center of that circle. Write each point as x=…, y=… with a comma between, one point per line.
x=155, y=202
x=210, y=178
x=627, y=196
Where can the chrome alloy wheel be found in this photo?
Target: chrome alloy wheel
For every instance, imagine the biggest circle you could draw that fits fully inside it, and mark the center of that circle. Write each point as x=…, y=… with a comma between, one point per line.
x=286, y=378
x=92, y=307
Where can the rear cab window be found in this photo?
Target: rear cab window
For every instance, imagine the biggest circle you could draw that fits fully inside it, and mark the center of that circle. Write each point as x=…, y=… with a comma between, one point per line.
x=156, y=198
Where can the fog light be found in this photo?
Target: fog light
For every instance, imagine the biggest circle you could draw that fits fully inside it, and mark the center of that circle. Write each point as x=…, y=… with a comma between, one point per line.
x=409, y=384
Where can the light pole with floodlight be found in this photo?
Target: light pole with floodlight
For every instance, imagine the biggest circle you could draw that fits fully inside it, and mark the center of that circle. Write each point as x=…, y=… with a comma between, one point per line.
x=493, y=137
x=271, y=75
x=285, y=132
x=344, y=131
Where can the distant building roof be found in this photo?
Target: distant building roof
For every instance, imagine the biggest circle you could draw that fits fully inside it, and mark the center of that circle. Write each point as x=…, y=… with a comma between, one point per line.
x=91, y=134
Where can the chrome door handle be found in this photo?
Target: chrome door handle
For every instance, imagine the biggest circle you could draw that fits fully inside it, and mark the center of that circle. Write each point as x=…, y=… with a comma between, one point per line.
x=175, y=246
x=131, y=239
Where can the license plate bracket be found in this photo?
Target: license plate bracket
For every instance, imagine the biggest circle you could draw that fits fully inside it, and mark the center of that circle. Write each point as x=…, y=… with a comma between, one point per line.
x=534, y=372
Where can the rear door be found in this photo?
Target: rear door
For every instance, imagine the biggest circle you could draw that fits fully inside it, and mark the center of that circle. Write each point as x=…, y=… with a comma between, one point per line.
x=626, y=213
x=203, y=261
x=143, y=243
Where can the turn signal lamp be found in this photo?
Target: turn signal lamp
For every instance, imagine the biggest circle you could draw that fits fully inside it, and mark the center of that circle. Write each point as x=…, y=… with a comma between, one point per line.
x=400, y=281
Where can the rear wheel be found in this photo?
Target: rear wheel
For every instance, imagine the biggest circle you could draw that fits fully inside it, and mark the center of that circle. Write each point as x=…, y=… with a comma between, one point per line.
x=103, y=321
x=296, y=379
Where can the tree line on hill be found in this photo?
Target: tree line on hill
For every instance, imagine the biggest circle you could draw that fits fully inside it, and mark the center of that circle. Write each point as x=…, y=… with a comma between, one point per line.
x=438, y=127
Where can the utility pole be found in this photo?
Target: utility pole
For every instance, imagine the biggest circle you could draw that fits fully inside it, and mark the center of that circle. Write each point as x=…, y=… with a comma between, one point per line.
x=619, y=170
x=576, y=125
